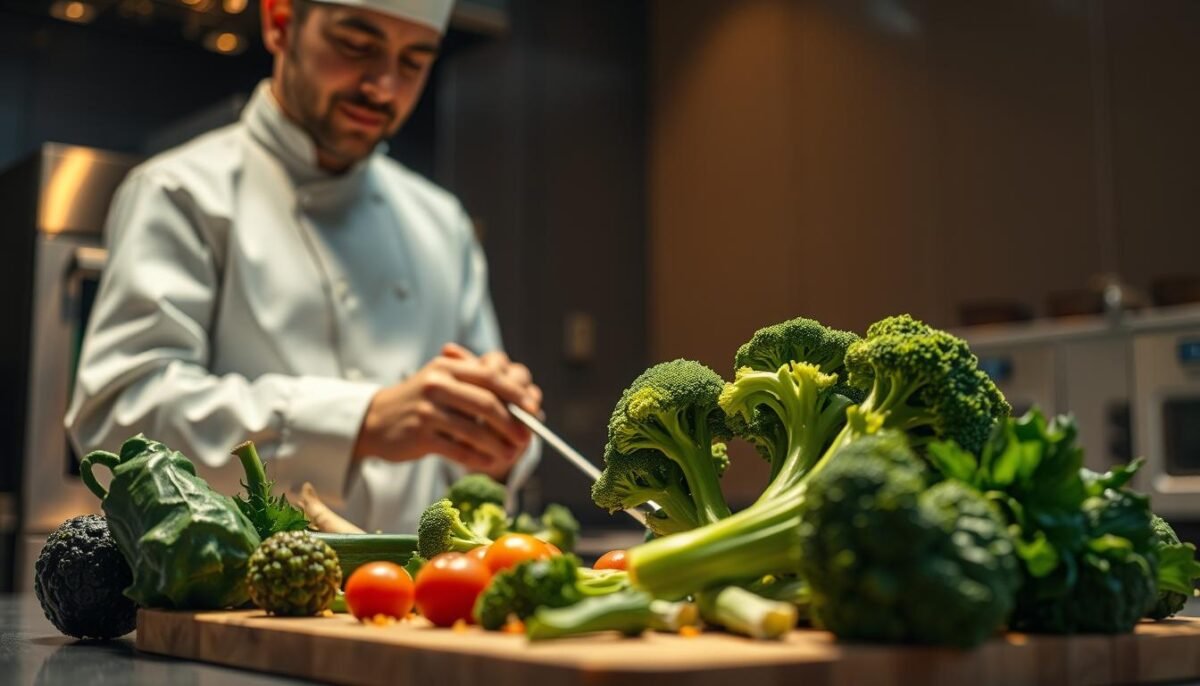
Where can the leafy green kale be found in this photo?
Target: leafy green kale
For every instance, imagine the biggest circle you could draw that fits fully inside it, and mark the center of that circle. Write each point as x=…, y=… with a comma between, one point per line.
x=270, y=514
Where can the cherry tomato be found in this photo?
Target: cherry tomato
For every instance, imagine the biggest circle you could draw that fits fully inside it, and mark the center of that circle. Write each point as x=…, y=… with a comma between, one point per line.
x=479, y=553
x=613, y=559
x=447, y=587
x=510, y=549
x=379, y=588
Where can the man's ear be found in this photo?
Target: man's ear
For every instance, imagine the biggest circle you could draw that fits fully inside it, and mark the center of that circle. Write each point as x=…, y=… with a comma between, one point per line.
x=276, y=24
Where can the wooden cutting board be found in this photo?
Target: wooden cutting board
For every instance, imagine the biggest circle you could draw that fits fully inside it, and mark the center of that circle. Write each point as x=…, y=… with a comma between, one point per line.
x=339, y=650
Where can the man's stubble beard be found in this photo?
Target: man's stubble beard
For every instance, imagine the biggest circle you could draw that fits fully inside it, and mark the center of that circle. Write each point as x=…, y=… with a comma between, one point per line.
x=305, y=103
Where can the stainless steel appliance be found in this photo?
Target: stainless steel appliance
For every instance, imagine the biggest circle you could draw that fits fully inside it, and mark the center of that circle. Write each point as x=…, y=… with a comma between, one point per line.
x=55, y=204
x=1080, y=366
x=1166, y=363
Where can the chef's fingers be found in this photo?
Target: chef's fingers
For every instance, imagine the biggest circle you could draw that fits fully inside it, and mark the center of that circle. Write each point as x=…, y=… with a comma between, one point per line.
x=479, y=438
x=459, y=452
x=473, y=401
x=458, y=352
x=516, y=373
x=476, y=374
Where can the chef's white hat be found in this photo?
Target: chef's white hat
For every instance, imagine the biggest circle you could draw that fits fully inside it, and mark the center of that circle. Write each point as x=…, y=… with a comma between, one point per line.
x=432, y=13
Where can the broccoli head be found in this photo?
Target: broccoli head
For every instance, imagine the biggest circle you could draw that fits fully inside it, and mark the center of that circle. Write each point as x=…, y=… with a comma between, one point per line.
x=523, y=588
x=944, y=573
x=473, y=490
x=441, y=529
x=768, y=351
x=925, y=382
x=661, y=440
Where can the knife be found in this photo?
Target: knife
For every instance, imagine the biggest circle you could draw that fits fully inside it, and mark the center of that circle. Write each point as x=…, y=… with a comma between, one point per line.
x=562, y=448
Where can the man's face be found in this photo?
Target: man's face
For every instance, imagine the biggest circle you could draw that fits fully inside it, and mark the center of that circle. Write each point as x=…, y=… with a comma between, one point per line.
x=350, y=77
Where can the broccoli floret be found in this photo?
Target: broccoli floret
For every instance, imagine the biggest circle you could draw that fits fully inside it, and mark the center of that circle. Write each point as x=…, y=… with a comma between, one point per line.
x=473, y=490
x=1178, y=570
x=558, y=581
x=768, y=351
x=922, y=382
x=662, y=446
x=888, y=560
x=628, y=612
x=805, y=413
x=631, y=479
x=488, y=520
x=556, y=526
x=441, y=529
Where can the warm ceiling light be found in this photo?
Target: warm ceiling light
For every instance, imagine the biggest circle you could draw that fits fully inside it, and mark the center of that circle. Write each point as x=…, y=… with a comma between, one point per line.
x=234, y=6
x=225, y=43
x=73, y=10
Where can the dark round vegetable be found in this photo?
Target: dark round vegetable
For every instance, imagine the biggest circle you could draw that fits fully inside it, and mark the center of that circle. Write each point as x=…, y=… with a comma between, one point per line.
x=79, y=578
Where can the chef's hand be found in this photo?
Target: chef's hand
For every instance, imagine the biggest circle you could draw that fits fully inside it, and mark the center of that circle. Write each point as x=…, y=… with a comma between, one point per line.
x=453, y=406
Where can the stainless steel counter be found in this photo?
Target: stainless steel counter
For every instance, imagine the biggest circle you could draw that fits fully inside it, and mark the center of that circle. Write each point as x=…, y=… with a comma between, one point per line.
x=32, y=651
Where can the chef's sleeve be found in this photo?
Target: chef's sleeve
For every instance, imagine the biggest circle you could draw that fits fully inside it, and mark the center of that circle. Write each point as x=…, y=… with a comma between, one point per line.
x=479, y=331
x=144, y=366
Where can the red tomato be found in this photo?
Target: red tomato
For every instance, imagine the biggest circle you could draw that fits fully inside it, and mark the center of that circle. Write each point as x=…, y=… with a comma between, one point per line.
x=479, y=553
x=448, y=585
x=613, y=559
x=510, y=549
x=379, y=588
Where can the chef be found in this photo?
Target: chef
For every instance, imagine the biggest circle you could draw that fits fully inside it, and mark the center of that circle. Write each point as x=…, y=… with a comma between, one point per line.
x=282, y=280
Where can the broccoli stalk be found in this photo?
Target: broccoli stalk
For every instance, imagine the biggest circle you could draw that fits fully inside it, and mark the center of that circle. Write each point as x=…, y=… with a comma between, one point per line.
x=628, y=612
x=441, y=529
x=743, y=612
x=661, y=447
x=922, y=381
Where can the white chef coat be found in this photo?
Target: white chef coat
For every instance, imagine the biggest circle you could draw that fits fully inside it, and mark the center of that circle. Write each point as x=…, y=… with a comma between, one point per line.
x=251, y=295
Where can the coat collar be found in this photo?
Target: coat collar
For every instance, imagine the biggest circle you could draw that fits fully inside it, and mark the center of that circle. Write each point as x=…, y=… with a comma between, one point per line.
x=296, y=153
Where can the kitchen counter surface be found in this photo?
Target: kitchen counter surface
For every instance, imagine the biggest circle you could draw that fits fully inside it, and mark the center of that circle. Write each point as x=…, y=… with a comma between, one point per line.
x=32, y=651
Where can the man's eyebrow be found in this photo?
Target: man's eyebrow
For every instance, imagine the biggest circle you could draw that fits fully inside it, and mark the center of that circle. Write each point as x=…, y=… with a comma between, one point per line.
x=361, y=25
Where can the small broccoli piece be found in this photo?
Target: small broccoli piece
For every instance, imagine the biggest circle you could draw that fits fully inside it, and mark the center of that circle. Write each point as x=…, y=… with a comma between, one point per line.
x=559, y=527
x=473, y=490
x=632, y=479
x=523, y=588
x=1177, y=570
x=489, y=521
x=742, y=612
x=556, y=526
x=441, y=529
x=628, y=612
x=944, y=573
x=665, y=423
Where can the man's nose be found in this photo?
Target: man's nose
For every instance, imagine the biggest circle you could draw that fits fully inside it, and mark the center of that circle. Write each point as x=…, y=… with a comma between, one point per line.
x=381, y=85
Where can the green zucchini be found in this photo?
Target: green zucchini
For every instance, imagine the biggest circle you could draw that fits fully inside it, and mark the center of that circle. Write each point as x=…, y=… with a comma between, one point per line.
x=355, y=550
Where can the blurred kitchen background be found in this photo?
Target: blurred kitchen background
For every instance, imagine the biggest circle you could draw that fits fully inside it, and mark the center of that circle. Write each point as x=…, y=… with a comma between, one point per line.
x=658, y=179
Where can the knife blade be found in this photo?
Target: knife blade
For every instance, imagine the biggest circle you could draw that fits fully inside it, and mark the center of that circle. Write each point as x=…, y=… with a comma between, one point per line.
x=573, y=456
